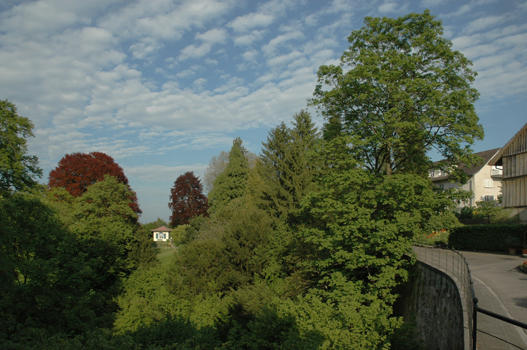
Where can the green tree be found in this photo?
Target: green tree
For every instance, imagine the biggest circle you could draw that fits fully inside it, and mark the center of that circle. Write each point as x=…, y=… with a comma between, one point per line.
x=354, y=242
x=288, y=164
x=103, y=213
x=231, y=183
x=50, y=281
x=17, y=169
x=401, y=90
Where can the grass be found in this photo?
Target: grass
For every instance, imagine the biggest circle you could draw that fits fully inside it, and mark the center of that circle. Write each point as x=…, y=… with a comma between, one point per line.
x=165, y=252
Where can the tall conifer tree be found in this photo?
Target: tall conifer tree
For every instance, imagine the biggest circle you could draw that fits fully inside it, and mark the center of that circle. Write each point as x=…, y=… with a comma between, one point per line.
x=232, y=182
x=288, y=164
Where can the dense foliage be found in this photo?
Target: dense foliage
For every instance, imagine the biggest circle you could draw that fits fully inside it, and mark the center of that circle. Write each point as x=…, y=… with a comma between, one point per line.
x=187, y=199
x=18, y=170
x=491, y=237
x=401, y=90
x=288, y=164
x=77, y=171
x=231, y=183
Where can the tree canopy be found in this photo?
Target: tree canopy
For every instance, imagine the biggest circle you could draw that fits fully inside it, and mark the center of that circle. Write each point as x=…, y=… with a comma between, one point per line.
x=18, y=170
x=76, y=171
x=187, y=199
x=401, y=90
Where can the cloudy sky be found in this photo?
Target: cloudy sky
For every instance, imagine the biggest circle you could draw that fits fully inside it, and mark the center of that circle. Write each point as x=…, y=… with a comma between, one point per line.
x=164, y=85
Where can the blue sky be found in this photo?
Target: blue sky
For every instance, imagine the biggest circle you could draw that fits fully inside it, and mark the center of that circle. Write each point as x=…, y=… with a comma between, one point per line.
x=162, y=85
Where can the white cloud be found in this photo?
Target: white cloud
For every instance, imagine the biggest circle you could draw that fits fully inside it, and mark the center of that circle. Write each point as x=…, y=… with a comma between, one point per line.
x=283, y=59
x=216, y=35
x=144, y=47
x=200, y=82
x=466, y=8
x=250, y=21
x=388, y=7
x=195, y=51
x=209, y=39
x=483, y=23
x=250, y=55
x=40, y=17
x=273, y=44
x=156, y=21
x=340, y=6
x=248, y=39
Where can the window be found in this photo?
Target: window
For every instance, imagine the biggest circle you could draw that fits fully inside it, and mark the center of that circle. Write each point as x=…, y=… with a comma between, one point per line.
x=488, y=198
x=489, y=183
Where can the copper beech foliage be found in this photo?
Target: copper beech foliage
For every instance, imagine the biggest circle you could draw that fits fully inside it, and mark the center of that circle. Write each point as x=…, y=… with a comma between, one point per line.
x=77, y=171
x=187, y=199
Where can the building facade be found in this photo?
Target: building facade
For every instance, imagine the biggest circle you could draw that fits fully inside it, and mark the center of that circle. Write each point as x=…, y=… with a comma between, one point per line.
x=513, y=158
x=484, y=179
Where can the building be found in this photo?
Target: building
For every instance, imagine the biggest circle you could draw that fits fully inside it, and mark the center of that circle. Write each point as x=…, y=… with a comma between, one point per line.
x=161, y=234
x=484, y=179
x=513, y=158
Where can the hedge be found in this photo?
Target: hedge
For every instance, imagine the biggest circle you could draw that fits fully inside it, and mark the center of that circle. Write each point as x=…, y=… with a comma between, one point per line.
x=495, y=237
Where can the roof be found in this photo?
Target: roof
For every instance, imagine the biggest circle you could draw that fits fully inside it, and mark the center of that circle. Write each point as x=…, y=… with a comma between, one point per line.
x=496, y=159
x=485, y=156
x=161, y=229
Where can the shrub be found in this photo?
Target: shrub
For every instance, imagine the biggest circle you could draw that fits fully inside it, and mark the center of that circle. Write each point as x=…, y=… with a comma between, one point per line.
x=495, y=237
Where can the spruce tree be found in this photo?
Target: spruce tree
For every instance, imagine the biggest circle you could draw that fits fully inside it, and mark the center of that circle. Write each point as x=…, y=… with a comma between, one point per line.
x=288, y=164
x=232, y=182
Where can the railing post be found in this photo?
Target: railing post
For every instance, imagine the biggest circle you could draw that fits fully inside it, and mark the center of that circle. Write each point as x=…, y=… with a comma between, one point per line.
x=474, y=323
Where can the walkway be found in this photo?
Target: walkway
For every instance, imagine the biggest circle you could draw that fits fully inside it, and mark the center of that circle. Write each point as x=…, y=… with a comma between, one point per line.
x=502, y=289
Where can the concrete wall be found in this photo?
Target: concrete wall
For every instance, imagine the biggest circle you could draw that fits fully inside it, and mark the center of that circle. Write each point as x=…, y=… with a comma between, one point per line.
x=433, y=302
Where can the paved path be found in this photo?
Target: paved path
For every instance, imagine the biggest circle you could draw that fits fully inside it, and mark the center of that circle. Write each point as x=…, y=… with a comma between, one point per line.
x=502, y=289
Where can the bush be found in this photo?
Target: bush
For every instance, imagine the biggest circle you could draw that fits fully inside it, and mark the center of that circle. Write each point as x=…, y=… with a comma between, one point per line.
x=487, y=212
x=496, y=237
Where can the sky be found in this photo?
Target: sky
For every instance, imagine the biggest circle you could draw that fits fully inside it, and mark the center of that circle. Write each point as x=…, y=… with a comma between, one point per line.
x=162, y=86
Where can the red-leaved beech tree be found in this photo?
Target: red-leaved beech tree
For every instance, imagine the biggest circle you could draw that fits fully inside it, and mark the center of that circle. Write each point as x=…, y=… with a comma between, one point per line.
x=187, y=199
x=77, y=171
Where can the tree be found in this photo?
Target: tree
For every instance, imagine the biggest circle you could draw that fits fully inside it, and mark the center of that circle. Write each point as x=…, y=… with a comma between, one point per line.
x=216, y=166
x=186, y=199
x=232, y=182
x=355, y=237
x=17, y=169
x=289, y=163
x=77, y=171
x=103, y=212
x=50, y=280
x=401, y=90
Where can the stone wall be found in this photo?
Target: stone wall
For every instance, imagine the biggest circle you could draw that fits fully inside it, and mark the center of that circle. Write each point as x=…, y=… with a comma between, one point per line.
x=432, y=301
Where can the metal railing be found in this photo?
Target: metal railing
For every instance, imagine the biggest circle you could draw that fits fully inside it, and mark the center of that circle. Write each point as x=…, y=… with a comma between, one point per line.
x=454, y=264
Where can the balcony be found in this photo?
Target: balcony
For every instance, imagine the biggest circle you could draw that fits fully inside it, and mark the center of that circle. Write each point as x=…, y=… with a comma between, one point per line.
x=496, y=172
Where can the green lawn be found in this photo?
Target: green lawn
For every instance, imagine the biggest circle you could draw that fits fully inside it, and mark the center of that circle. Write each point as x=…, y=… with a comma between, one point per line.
x=165, y=252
